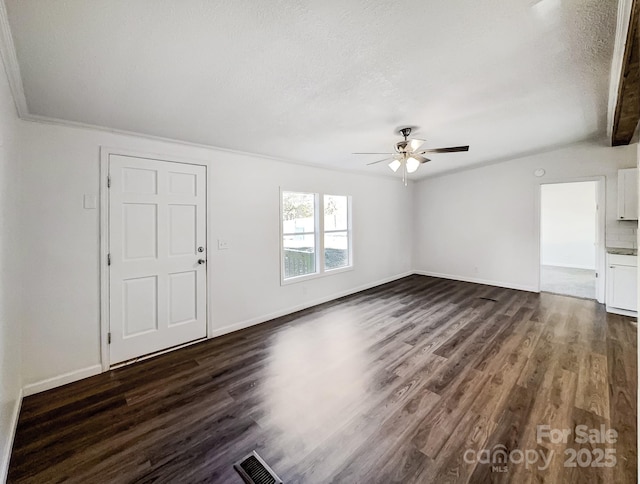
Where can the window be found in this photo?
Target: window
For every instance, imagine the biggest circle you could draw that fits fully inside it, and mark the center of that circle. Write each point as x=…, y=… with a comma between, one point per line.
x=299, y=230
x=336, y=232
x=316, y=234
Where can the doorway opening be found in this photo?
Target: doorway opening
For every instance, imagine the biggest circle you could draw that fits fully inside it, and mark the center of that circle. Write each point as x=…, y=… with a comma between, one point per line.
x=570, y=229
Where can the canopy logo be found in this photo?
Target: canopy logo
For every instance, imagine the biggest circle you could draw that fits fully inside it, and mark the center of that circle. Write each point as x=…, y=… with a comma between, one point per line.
x=499, y=457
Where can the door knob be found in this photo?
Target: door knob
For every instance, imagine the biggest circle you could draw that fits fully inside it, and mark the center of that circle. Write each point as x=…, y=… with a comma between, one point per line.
x=201, y=261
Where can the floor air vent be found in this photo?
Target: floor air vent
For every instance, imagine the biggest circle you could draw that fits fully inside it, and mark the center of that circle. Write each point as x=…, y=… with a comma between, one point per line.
x=488, y=299
x=254, y=470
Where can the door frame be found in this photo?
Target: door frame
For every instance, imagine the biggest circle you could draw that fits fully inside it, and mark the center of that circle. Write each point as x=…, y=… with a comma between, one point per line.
x=104, y=318
x=601, y=199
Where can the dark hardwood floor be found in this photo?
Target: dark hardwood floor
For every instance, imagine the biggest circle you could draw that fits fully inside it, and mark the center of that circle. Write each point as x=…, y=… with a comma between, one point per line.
x=406, y=382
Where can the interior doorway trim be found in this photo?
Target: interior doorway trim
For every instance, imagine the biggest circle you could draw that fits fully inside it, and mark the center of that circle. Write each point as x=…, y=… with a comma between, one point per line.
x=601, y=197
x=105, y=153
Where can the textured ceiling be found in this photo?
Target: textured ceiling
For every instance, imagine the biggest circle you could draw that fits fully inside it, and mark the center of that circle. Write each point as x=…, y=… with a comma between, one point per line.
x=314, y=81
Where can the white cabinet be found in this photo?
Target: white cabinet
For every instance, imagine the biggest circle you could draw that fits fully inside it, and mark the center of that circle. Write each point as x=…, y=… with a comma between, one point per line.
x=623, y=288
x=622, y=284
x=628, y=194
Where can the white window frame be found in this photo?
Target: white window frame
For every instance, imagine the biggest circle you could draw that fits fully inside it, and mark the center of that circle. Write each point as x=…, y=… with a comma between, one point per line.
x=318, y=233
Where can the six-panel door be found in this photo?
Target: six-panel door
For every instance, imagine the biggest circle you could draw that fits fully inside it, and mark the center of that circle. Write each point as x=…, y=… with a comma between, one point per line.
x=157, y=244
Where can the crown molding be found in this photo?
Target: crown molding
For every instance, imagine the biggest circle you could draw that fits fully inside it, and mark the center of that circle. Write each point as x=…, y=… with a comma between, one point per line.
x=36, y=118
x=617, y=62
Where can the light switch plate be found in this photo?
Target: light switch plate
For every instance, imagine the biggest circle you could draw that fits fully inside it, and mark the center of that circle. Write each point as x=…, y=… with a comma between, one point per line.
x=90, y=201
x=222, y=244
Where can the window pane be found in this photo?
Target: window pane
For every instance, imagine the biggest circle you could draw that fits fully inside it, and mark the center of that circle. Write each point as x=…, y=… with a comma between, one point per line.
x=335, y=212
x=299, y=255
x=297, y=212
x=336, y=250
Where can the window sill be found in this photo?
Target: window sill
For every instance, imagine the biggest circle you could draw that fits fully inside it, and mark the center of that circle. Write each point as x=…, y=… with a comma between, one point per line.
x=294, y=280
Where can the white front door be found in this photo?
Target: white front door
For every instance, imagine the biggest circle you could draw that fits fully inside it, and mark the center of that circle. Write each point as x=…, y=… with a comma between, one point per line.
x=157, y=247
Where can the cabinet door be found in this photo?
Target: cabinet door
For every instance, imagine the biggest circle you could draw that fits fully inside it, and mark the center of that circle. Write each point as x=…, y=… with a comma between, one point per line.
x=628, y=194
x=623, y=287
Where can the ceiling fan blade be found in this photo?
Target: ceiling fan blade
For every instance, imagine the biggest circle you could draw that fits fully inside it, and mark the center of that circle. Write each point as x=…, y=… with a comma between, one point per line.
x=379, y=161
x=415, y=143
x=371, y=153
x=420, y=158
x=452, y=149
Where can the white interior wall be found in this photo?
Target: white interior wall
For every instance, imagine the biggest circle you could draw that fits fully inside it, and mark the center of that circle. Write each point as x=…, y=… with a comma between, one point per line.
x=482, y=224
x=61, y=239
x=10, y=358
x=478, y=224
x=568, y=224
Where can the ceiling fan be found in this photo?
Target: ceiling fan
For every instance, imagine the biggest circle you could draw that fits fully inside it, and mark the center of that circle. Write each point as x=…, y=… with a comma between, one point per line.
x=408, y=154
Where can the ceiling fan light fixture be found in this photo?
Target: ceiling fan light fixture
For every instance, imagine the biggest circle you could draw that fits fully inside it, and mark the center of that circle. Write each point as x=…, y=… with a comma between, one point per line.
x=394, y=165
x=412, y=164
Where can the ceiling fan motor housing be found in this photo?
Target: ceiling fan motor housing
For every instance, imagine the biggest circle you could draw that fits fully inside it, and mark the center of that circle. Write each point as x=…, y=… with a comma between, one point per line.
x=405, y=132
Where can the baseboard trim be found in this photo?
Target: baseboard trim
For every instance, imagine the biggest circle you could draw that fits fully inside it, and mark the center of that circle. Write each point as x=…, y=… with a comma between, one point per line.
x=57, y=381
x=507, y=285
x=4, y=464
x=284, y=312
x=622, y=312
x=82, y=373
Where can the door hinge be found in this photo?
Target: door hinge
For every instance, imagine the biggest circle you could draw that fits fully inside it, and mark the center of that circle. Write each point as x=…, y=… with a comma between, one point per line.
x=108, y=259
x=108, y=181
x=108, y=338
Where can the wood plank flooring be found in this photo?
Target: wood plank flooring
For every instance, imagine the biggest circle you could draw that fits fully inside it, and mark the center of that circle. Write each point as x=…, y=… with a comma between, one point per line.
x=406, y=382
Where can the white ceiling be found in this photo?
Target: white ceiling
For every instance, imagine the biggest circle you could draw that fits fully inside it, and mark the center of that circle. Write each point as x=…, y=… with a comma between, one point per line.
x=314, y=81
